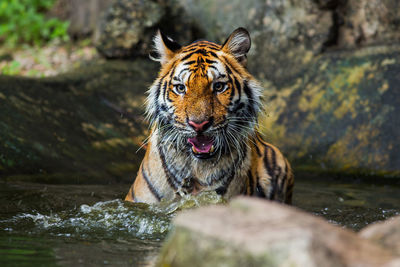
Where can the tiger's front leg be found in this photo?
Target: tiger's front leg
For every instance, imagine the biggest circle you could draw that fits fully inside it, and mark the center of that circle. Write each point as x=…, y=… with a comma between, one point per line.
x=271, y=175
x=153, y=182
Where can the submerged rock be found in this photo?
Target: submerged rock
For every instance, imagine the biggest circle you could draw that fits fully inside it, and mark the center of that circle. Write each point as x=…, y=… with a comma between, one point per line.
x=255, y=232
x=386, y=234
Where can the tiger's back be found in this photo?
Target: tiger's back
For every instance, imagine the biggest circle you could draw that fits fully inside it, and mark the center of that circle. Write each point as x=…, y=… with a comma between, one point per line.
x=203, y=109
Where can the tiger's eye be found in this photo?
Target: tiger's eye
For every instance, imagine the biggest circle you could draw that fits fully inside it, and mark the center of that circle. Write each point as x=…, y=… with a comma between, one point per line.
x=180, y=88
x=219, y=86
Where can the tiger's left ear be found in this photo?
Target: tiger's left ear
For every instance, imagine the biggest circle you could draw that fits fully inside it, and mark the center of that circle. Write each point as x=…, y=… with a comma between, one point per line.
x=238, y=44
x=165, y=47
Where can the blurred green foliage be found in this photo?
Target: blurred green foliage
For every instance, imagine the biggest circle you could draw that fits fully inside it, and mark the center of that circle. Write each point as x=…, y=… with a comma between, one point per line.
x=11, y=69
x=24, y=21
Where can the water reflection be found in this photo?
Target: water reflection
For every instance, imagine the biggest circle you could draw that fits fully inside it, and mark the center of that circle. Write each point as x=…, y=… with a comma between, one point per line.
x=25, y=250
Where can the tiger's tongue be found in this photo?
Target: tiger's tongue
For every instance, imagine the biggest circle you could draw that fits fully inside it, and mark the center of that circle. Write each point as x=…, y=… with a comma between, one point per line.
x=201, y=143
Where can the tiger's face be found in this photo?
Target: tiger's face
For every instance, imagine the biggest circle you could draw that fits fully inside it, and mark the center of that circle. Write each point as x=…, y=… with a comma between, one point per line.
x=204, y=101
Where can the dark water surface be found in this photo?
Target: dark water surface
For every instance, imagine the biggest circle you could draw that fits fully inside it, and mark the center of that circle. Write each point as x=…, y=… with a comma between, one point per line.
x=89, y=225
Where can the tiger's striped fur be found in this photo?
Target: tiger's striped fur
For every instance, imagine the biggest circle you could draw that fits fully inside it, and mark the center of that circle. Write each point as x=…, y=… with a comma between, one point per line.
x=203, y=110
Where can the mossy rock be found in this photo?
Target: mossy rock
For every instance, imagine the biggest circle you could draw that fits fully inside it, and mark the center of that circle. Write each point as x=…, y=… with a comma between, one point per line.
x=341, y=114
x=83, y=126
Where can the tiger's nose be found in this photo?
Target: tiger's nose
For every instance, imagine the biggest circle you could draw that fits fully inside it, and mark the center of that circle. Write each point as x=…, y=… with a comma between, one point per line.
x=200, y=126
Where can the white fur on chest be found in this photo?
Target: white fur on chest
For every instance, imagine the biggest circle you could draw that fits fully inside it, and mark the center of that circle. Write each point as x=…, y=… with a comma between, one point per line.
x=228, y=170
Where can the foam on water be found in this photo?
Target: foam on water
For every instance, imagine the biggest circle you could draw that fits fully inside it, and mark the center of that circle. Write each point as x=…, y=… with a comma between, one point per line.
x=113, y=219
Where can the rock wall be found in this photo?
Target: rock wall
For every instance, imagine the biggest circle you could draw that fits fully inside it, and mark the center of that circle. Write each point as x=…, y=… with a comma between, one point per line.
x=85, y=126
x=328, y=67
x=341, y=113
x=365, y=22
x=128, y=27
x=284, y=33
x=329, y=70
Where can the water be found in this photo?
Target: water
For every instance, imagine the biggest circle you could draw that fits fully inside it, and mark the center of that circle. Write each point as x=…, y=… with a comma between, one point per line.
x=352, y=205
x=89, y=225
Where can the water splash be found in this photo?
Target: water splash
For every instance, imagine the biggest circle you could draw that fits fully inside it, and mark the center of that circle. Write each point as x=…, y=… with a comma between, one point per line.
x=113, y=219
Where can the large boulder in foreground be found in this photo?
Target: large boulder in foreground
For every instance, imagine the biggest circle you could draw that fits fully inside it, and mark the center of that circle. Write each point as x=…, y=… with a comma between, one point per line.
x=84, y=126
x=341, y=114
x=255, y=232
x=386, y=234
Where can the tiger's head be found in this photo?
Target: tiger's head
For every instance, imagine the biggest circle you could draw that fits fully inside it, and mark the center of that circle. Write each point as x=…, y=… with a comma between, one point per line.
x=204, y=101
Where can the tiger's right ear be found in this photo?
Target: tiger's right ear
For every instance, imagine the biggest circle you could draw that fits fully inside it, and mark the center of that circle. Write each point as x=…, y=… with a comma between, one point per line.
x=165, y=47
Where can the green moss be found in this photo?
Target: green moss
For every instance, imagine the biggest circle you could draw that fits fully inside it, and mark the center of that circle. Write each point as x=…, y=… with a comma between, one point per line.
x=343, y=117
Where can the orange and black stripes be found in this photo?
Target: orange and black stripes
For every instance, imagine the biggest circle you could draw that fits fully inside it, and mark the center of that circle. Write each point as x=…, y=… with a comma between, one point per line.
x=172, y=181
x=152, y=189
x=270, y=176
x=208, y=84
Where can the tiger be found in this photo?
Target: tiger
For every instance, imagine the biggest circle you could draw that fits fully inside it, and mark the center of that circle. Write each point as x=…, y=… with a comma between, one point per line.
x=203, y=111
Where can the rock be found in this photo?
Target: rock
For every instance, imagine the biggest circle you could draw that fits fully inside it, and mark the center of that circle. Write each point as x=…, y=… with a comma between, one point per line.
x=129, y=26
x=364, y=22
x=393, y=263
x=255, y=232
x=341, y=114
x=84, y=126
x=326, y=109
x=83, y=16
x=386, y=234
x=285, y=34
x=124, y=25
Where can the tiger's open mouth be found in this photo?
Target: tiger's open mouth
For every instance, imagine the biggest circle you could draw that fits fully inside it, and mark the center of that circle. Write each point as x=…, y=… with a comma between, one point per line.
x=202, y=146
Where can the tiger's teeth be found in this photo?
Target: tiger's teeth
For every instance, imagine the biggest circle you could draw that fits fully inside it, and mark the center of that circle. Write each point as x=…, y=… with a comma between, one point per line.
x=194, y=150
x=212, y=149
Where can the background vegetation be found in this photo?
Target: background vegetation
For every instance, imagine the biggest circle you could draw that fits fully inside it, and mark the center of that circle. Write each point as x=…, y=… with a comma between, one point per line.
x=35, y=41
x=24, y=21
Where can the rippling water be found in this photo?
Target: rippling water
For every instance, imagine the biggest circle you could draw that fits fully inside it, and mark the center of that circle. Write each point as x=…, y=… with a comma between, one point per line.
x=43, y=225
x=108, y=219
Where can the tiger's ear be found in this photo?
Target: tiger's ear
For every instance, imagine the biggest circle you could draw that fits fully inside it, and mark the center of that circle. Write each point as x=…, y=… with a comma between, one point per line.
x=238, y=44
x=165, y=48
